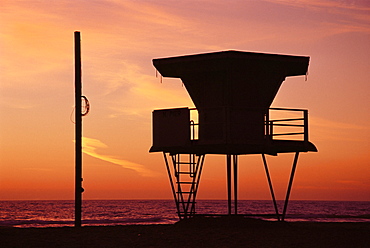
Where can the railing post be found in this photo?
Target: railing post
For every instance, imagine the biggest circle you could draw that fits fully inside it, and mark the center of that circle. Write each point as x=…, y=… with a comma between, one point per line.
x=194, y=131
x=305, y=122
x=192, y=135
x=271, y=125
x=267, y=128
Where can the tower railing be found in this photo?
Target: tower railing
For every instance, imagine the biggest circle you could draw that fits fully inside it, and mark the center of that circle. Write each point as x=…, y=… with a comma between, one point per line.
x=292, y=123
x=295, y=124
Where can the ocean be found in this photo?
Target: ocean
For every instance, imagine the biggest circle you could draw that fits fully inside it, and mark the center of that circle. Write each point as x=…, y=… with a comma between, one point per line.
x=59, y=213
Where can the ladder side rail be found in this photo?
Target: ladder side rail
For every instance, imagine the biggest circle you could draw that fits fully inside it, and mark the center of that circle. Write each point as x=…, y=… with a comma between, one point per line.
x=200, y=164
x=180, y=196
x=171, y=183
x=191, y=199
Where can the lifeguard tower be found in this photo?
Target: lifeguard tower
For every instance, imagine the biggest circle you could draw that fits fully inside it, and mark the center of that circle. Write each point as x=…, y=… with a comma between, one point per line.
x=232, y=92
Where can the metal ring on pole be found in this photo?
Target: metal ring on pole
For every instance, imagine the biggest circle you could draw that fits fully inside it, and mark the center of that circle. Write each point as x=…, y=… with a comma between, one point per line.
x=86, y=106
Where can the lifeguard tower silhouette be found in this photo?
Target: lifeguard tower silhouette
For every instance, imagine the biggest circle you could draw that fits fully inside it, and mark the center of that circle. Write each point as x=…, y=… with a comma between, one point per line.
x=232, y=92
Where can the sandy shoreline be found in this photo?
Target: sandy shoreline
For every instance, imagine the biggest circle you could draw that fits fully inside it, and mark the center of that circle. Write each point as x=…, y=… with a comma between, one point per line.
x=194, y=233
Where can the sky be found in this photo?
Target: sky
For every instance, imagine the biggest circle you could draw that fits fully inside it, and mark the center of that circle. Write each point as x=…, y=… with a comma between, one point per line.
x=119, y=41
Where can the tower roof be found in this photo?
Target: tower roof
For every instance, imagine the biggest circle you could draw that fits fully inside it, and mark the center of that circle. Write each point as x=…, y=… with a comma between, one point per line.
x=182, y=65
x=232, y=78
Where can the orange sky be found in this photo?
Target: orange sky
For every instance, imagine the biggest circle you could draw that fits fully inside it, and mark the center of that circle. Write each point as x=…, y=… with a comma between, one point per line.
x=119, y=40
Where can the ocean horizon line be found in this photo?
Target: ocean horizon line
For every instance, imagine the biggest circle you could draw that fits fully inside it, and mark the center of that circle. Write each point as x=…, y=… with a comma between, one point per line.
x=43, y=213
x=168, y=199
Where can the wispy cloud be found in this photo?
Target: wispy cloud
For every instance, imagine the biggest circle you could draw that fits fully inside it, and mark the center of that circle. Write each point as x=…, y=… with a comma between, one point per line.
x=91, y=145
x=362, y=5
x=154, y=14
x=129, y=91
x=316, y=121
x=350, y=182
x=17, y=105
x=38, y=169
x=338, y=16
x=338, y=131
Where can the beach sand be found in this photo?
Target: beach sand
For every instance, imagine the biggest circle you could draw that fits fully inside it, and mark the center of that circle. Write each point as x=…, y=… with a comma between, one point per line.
x=197, y=232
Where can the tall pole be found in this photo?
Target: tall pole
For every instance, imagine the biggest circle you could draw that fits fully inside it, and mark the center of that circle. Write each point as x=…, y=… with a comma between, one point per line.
x=78, y=134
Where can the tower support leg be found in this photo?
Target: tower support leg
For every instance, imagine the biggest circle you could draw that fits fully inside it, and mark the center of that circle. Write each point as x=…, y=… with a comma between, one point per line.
x=270, y=186
x=290, y=184
x=235, y=161
x=228, y=172
x=232, y=167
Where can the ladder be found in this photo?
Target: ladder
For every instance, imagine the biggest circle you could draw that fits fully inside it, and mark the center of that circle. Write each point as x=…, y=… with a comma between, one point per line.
x=186, y=172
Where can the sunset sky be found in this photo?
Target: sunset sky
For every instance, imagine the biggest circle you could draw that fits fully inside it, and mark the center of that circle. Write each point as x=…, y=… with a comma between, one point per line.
x=119, y=40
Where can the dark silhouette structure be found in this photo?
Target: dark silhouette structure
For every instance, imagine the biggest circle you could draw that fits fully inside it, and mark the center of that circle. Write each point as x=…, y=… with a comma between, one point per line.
x=80, y=111
x=232, y=92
